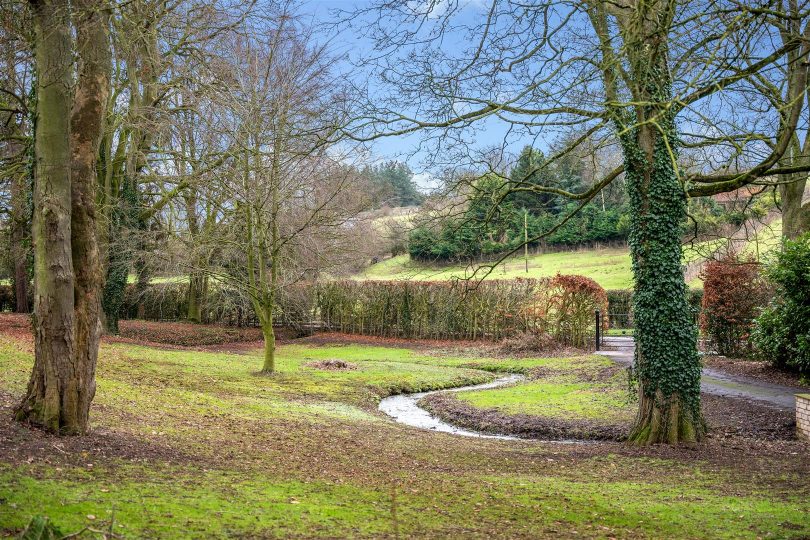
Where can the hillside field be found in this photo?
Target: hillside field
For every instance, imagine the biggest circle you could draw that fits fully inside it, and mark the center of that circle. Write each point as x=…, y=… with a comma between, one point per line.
x=610, y=267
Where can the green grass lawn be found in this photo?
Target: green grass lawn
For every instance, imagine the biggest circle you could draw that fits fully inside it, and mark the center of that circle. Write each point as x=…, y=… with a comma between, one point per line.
x=191, y=444
x=765, y=240
x=570, y=389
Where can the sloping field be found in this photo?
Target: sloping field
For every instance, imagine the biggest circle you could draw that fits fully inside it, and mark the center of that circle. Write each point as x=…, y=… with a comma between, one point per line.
x=609, y=267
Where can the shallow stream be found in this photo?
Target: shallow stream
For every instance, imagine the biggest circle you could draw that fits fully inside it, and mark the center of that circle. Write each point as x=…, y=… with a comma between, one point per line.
x=404, y=409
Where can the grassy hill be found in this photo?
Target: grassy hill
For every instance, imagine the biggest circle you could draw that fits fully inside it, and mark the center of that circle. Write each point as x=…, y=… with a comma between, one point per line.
x=609, y=267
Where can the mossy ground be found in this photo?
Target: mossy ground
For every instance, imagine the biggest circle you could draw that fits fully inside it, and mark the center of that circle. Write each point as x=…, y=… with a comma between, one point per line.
x=190, y=444
x=584, y=388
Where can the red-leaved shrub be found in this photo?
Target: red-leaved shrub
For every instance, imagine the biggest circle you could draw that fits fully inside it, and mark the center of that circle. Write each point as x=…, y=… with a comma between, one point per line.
x=733, y=292
x=566, y=308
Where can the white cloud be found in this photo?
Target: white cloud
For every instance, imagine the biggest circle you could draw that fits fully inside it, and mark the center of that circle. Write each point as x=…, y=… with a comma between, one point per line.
x=426, y=181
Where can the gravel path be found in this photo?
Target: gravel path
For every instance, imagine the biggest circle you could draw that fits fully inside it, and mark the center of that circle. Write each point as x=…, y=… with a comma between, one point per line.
x=620, y=349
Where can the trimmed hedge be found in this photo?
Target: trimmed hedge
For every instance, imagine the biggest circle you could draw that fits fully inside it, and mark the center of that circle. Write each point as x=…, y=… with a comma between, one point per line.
x=223, y=305
x=429, y=309
x=561, y=306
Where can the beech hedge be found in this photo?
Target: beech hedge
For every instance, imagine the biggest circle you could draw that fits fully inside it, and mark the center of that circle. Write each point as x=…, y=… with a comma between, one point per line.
x=561, y=307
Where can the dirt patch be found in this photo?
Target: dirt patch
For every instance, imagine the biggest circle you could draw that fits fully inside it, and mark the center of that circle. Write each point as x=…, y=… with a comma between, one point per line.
x=754, y=369
x=508, y=348
x=734, y=417
x=17, y=326
x=24, y=444
x=332, y=365
x=186, y=334
x=726, y=418
x=529, y=343
x=162, y=335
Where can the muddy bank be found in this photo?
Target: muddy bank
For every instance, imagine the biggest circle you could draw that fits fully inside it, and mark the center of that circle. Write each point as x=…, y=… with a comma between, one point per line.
x=457, y=412
x=726, y=417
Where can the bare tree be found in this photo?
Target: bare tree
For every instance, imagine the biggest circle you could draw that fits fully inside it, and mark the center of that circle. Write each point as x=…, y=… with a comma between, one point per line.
x=160, y=52
x=637, y=75
x=291, y=199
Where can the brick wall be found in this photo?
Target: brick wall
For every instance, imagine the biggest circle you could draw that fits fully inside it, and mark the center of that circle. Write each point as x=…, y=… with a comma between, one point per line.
x=803, y=415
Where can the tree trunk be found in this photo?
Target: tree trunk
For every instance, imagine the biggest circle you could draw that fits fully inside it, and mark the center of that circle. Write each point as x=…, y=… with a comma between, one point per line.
x=56, y=391
x=89, y=107
x=795, y=215
x=196, y=296
x=667, y=363
x=269, y=342
x=66, y=262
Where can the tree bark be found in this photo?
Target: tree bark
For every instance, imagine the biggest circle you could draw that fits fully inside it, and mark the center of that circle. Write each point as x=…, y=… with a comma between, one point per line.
x=55, y=394
x=92, y=19
x=67, y=267
x=795, y=215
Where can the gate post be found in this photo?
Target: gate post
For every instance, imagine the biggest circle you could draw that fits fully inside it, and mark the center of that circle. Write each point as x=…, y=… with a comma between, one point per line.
x=598, y=317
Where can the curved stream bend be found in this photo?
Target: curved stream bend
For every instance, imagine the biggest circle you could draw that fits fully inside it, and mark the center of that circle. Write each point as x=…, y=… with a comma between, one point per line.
x=404, y=409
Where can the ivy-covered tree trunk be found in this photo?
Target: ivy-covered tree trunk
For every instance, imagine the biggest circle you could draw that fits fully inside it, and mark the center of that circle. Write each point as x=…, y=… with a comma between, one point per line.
x=55, y=393
x=122, y=223
x=667, y=364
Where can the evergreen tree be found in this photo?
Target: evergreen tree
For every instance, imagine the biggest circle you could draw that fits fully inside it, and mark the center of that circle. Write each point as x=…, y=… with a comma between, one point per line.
x=395, y=182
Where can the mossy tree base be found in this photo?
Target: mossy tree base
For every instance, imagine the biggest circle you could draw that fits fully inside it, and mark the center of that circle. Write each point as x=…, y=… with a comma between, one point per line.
x=665, y=420
x=269, y=365
x=59, y=408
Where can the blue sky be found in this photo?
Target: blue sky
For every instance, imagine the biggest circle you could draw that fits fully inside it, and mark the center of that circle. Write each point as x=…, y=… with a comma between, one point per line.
x=353, y=46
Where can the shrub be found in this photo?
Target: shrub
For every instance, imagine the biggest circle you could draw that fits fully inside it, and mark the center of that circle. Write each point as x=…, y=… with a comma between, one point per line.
x=567, y=306
x=782, y=332
x=733, y=293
